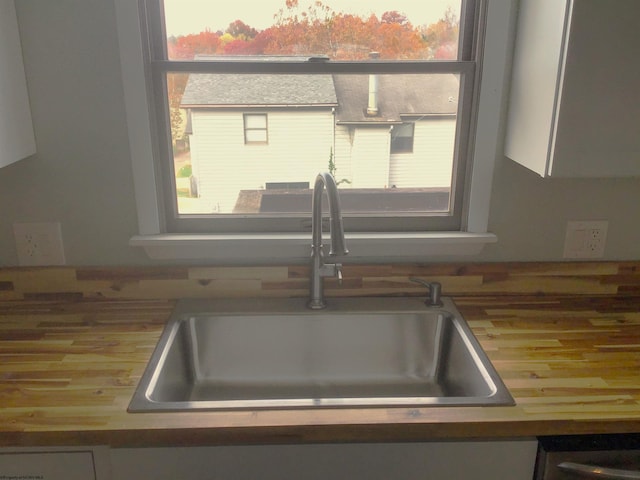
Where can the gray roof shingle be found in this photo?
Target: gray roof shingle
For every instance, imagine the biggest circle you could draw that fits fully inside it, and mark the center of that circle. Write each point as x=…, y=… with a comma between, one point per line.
x=204, y=89
x=398, y=95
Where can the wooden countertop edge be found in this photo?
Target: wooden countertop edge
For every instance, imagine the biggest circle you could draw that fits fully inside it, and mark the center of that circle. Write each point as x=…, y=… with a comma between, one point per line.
x=300, y=434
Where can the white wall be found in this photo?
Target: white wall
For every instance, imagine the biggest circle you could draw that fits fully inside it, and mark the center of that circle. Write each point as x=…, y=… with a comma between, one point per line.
x=81, y=175
x=431, y=162
x=342, y=154
x=370, y=158
x=298, y=148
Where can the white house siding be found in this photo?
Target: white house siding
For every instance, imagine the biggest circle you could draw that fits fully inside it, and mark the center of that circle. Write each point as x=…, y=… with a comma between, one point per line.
x=370, y=157
x=431, y=163
x=299, y=146
x=342, y=155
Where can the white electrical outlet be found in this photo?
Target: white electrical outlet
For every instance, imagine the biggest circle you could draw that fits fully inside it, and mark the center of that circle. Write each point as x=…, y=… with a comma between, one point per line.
x=585, y=239
x=39, y=244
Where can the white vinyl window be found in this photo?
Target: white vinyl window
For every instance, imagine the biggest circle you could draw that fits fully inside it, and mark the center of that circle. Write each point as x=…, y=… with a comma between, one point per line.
x=312, y=86
x=255, y=128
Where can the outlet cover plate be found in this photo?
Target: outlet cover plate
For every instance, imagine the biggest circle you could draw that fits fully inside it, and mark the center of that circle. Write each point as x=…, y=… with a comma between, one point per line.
x=39, y=243
x=585, y=239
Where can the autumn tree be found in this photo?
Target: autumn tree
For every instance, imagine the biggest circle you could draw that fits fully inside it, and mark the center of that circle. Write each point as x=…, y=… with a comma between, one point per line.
x=394, y=17
x=238, y=46
x=318, y=29
x=395, y=37
x=186, y=47
x=176, y=83
x=321, y=30
x=241, y=30
x=442, y=36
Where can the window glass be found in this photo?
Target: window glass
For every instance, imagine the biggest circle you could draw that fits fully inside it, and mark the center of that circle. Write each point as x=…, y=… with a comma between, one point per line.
x=256, y=98
x=402, y=138
x=339, y=29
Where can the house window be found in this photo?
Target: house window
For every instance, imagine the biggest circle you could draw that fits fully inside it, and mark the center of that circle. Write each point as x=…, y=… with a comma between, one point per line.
x=255, y=128
x=402, y=138
x=332, y=94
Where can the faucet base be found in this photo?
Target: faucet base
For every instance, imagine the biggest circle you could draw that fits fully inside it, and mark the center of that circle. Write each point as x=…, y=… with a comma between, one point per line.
x=316, y=304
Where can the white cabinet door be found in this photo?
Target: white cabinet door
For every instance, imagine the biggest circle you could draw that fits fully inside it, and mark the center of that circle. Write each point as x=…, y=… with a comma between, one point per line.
x=16, y=129
x=491, y=460
x=575, y=102
x=91, y=463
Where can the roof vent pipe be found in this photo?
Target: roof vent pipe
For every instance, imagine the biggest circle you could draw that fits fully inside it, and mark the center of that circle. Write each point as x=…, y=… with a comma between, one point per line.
x=372, y=106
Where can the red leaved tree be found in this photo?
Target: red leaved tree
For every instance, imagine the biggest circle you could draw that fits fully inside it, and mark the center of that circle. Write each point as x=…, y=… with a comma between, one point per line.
x=185, y=47
x=321, y=30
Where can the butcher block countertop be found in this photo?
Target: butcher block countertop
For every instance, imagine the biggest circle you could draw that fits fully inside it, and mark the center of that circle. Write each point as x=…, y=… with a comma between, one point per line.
x=69, y=366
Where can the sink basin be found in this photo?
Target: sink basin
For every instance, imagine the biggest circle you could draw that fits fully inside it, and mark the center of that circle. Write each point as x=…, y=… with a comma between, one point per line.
x=276, y=354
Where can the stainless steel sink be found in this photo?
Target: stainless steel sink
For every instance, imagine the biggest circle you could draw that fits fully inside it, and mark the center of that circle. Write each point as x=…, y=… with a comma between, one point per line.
x=277, y=354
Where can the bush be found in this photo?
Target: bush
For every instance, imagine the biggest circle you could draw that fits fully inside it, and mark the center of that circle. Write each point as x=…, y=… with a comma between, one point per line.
x=184, y=172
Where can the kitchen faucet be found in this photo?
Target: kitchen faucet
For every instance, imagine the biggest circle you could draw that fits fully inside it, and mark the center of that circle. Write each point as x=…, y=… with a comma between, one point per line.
x=319, y=269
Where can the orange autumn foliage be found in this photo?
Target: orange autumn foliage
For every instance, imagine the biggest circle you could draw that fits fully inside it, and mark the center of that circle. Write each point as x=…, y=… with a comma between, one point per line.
x=320, y=30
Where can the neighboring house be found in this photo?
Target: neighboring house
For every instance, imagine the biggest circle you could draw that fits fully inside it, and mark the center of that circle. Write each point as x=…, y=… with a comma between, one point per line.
x=396, y=130
x=256, y=133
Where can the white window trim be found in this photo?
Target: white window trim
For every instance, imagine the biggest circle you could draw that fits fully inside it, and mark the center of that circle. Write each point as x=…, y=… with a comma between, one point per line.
x=246, y=117
x=274, y=248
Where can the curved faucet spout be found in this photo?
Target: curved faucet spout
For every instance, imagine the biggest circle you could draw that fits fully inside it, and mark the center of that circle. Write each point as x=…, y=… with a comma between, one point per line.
x=319, y=269
x=338, y=244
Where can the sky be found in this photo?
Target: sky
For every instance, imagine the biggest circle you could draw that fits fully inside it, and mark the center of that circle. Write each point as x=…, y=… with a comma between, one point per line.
x=194, y=16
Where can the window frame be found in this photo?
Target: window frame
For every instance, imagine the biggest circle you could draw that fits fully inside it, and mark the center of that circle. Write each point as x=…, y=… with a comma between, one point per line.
x=241, y=248
x=265, y=129
x=159, y=67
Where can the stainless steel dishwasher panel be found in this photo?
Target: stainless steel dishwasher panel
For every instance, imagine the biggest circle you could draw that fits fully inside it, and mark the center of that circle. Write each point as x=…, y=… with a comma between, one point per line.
x=610, y=457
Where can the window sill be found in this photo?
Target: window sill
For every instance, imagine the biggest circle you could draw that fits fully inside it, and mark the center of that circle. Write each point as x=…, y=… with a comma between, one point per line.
x=295, y=248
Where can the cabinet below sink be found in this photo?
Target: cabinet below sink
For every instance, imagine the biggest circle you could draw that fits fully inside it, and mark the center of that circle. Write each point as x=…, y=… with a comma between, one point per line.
x=511, y=459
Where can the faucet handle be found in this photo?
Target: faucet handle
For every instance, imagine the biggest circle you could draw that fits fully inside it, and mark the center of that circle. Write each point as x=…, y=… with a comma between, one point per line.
x=435, y=291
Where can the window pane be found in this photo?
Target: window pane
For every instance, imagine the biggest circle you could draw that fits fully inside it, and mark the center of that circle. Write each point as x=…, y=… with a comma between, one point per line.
x=255, y=121
x=389, y=140
x=249, y=138
x=255, y=136
x=402, y=138
x=339, y=29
